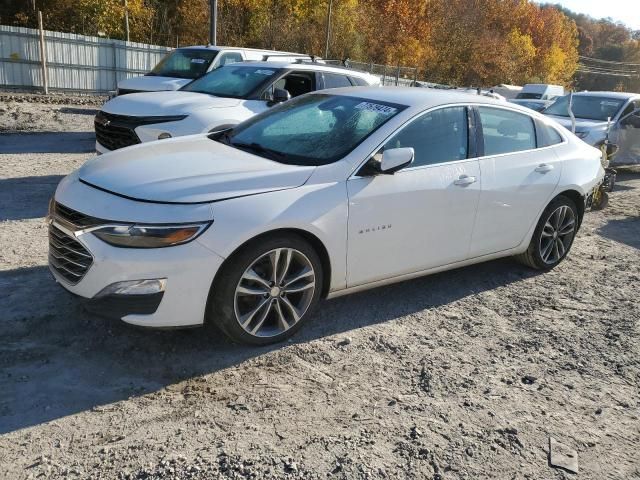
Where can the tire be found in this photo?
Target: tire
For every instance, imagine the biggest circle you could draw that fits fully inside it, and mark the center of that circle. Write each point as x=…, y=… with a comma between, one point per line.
x=547, y=235
x=271, y=308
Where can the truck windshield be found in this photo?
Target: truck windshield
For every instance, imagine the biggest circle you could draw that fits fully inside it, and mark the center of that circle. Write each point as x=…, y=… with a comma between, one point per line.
x=185, y=63
x=587, y=107
x=231, y=81
x=315, y=129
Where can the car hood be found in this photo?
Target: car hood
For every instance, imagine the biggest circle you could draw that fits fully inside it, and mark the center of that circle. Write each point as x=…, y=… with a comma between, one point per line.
x=192, y=169
x=582, y=124
x=165, y=103
x=153, y=83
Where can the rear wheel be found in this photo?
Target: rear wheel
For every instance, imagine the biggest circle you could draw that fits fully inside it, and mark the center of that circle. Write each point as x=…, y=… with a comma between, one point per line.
x=266, y=291
x=553, y=236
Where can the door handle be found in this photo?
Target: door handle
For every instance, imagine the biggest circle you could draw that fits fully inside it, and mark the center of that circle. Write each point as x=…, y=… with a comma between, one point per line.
x=544, y=168
x=464, y=180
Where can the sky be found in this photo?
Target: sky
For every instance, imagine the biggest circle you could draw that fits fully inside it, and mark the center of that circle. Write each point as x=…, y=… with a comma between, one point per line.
x=625, y=11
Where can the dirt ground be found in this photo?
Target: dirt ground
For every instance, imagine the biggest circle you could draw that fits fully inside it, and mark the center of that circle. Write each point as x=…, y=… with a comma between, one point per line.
x=460, y=375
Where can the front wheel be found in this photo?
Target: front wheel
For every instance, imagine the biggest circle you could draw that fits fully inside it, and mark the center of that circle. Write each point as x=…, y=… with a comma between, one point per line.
x=267, y=289
x=553, y=236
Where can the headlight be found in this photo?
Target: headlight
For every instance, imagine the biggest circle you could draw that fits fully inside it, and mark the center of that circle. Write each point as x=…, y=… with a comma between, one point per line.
x=149, y=236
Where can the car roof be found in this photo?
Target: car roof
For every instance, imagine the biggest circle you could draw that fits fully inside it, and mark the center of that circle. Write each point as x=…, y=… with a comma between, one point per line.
x=418, y=97
x=301, y=66
x=620, y=95
x=223, y=47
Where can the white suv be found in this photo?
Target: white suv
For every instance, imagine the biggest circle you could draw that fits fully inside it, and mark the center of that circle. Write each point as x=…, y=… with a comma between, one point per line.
x=219, y=100
x=182, y=65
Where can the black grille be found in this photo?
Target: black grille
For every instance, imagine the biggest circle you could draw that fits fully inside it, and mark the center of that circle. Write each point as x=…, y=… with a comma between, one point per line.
x=76, y=219
x=113, y=132
x=68, y=257
x=118, y=131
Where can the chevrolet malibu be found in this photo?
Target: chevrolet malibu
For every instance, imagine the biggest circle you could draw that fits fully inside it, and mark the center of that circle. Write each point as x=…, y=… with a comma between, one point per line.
x=330, y=193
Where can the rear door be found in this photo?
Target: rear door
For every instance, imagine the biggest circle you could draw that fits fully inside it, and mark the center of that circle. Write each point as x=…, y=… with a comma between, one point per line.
x=518, y=179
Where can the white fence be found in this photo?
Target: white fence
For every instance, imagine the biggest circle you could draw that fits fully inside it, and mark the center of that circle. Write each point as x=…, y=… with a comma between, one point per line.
x=75, y=63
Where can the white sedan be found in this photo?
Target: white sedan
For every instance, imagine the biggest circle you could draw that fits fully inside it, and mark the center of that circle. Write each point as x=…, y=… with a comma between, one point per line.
x=327, y=194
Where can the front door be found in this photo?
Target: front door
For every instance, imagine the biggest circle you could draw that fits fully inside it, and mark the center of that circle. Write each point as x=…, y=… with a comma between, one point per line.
x=626, y=134
x=422, y=216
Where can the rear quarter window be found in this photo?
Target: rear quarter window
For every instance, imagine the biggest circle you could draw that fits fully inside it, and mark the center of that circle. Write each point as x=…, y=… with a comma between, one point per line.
x=547, y=135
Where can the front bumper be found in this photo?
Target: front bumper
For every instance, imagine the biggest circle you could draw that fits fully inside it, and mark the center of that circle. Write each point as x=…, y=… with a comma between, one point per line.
x=189, y=270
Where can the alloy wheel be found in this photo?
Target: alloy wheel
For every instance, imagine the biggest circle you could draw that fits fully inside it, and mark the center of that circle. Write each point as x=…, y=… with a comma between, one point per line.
x=274, y=292
x=557, y=234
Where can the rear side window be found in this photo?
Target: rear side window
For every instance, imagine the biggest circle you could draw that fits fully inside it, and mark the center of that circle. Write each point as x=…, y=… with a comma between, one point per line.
x=506, y=131
x=436, y=137
x=230, y=57
x=547, y=135
x=361, y=82
x=332, y=80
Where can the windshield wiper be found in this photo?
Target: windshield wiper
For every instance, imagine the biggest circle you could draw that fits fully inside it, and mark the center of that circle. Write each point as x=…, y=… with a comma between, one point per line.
x=257, y=148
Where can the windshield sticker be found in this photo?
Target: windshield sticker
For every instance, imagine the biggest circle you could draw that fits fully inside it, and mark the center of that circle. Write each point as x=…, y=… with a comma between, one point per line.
x=377, y=108
x=198, y=60
x=609, y=103
x=265, y=72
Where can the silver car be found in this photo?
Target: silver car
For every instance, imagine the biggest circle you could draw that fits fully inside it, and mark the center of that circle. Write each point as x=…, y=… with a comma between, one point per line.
x=599, y=114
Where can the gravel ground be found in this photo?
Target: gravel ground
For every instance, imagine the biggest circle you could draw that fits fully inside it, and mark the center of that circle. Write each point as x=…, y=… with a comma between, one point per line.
x=460, y=375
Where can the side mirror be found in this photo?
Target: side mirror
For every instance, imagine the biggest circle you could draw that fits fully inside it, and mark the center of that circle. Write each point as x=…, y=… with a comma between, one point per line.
x=280, y=95
x=388, y=162
x=395, y=159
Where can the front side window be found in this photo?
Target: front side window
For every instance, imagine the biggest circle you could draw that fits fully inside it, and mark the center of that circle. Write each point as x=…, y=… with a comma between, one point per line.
x=233, y=81
x=589, y=107
x=505, y=131
x=311, y=130
x=185, y=63
x=297, y=83
x=436, y=137
x=332, y=80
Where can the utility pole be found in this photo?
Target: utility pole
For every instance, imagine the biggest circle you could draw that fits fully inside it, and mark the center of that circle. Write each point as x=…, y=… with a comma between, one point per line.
x=213, y=6
x=326, y=47
x=126, y=19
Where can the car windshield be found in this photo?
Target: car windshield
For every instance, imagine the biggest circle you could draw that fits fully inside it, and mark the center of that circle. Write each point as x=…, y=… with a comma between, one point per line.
x=185, y=63
x=231, y=81
x=586, y=106
x=315, y=129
